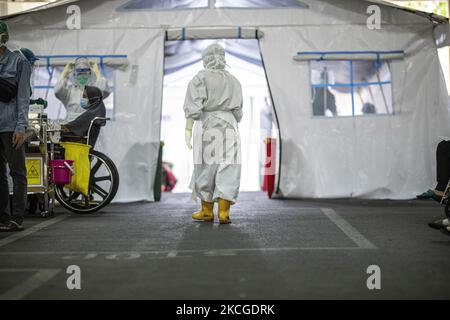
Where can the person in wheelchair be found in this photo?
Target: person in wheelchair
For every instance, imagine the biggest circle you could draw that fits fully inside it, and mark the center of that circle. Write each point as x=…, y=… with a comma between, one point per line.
x=442, y=172
x=78, y=129
x=443, y=177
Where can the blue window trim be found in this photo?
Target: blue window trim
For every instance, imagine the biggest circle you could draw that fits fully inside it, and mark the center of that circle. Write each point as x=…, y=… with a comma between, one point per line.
x=356, y=84
x=102, y=57
x=352, y=84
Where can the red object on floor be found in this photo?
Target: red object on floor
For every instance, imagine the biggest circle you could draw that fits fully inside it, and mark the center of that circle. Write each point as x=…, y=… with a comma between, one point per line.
x=168, y=180
x=269, y=167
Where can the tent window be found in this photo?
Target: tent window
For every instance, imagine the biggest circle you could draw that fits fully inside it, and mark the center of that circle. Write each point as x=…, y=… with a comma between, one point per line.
x=259, y=4
x=44, y=85
x=351, y=88
x=164, y=4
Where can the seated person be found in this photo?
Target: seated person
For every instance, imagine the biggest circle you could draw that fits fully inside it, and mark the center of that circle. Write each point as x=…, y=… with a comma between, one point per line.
x=92, y=102
x=443, y=177
x=442, y=172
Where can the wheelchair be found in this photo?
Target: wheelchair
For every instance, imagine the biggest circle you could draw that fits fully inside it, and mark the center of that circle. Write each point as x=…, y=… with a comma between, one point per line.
x=103, y=181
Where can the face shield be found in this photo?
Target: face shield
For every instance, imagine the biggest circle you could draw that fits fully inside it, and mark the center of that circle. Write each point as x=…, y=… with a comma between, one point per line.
x=82, y=72
x=3, y=37
x=4, y=33
x=31, y=58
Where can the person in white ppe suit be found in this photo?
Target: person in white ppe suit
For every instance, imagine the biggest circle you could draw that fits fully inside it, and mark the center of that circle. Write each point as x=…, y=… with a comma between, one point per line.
x=70, y=93
x=214, y=102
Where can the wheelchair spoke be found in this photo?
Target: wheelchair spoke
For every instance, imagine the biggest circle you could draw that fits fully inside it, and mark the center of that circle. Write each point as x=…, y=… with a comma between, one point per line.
x=95, y=168
x=73, y=196
x=105, y=178
x=86, y=201
x=99, y=190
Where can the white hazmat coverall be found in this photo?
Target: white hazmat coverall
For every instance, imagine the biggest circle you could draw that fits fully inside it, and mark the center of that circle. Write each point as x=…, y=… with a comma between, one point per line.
x=214, y=102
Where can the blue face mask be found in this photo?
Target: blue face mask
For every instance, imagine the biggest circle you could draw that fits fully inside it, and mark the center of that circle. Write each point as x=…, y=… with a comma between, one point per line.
x=84, y=103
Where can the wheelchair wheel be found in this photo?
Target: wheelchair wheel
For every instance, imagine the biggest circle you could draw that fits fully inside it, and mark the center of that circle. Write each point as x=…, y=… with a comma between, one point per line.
x=447, y=208
x=103, y=185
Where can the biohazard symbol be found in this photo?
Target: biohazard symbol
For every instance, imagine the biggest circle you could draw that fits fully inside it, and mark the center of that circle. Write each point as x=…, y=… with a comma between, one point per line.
x=32, y=172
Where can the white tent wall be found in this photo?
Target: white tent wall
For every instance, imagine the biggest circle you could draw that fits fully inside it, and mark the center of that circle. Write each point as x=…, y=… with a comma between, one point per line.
x=376, y=156
x=372, y=156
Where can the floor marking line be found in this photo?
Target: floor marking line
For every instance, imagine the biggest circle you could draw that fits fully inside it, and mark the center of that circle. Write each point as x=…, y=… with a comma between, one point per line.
x=172, y=254
x=361, y=241
x=178, y=252
x=24, y=288
x=19, y=235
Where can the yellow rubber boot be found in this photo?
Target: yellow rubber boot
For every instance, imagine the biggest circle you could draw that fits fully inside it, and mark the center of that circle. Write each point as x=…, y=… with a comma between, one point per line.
x=224, y=211
x=206, y=213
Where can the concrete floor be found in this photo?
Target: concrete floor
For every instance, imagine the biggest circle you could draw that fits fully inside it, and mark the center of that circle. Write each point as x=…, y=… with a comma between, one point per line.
x=275, y=249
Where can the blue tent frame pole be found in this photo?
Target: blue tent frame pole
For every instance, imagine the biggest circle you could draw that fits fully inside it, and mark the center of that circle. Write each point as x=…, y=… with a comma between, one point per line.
x=352, y=88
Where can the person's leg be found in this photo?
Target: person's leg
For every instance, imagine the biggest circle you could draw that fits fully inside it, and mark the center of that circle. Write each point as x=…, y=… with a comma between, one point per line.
x=4, y=188
x=442, y=165
x=204, y=184
x=228, y=176
x=18, y=173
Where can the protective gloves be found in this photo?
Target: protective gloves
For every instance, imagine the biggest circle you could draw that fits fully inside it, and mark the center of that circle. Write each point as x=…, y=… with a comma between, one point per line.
x=188, y=133
x=67, y=69
x=95, y=69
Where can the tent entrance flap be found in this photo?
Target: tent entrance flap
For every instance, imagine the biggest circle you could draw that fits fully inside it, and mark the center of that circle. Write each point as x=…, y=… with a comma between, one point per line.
x=213, y=33
x=349, y=55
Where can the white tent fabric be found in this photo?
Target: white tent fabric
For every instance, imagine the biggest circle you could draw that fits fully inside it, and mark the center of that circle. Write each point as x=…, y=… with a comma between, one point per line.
x=368, y=157
x=379, y=156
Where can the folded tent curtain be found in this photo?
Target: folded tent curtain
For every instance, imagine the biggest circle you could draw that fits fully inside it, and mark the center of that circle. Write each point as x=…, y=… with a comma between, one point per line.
x=349, y=55
x=213, y=33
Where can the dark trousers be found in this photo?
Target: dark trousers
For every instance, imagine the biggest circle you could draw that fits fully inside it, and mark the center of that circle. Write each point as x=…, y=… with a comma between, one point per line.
x=18, y=172
x=443, y=165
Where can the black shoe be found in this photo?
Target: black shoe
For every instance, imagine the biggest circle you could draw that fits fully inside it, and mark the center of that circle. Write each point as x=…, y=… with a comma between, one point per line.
x=438, y=224
x=446, y=231
x=12, y=226
x=426, y=195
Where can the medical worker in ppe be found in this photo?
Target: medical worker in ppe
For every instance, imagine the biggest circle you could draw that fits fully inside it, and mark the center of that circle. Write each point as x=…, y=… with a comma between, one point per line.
x=31, y=58
x=214, y=102
x=70, y=93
